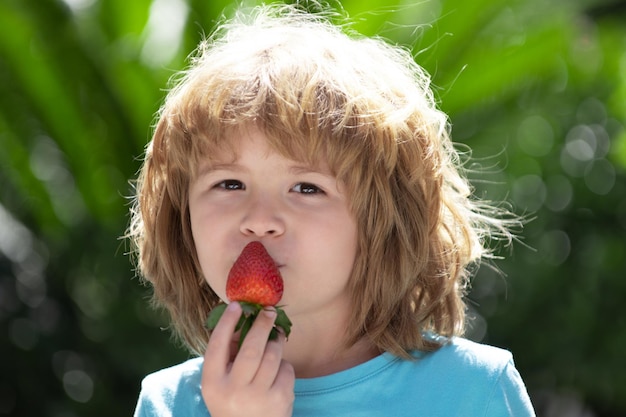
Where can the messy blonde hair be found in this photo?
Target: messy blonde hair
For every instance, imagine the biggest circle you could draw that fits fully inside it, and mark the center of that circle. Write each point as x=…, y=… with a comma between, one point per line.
x=365, y=108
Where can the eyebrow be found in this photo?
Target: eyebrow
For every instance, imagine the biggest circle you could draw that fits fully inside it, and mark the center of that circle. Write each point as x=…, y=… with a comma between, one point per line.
x=307, y=169
x=293, y=169
x=208, y=168
x=225, y=167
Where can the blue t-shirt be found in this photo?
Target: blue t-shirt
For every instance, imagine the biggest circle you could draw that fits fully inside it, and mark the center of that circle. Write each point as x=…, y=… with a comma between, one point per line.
x=462, y=378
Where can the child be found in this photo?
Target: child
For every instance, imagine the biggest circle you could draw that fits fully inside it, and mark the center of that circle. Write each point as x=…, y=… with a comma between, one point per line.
x=328, y=149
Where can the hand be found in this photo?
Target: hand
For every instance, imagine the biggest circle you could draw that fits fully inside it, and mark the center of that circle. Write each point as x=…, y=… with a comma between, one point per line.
x=255, y=381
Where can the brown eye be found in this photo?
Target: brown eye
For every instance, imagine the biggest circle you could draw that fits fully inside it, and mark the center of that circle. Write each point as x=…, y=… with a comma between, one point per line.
x=231, y=185
x=306, y=188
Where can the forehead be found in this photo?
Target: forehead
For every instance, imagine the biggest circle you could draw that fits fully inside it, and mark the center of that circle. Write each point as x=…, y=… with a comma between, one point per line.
x=229, y=148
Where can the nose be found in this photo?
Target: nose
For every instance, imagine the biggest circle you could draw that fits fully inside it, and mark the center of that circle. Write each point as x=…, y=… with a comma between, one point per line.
x=262, y=218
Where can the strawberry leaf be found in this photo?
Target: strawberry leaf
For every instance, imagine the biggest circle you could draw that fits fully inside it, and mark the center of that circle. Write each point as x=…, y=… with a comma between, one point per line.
x=242, y=319
x=283, y=321
x=250, y=308
x=215, y=315
x=250, y=311
x=245, y=327
x=273, y=334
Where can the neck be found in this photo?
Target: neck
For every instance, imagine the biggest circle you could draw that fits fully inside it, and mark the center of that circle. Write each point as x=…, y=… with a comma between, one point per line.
x=317, y=349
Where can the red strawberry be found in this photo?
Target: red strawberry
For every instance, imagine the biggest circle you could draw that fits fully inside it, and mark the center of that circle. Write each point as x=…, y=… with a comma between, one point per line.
x=255, y=282
x=254, y=277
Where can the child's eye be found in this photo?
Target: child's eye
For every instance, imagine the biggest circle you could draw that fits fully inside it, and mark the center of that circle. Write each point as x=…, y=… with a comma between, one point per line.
x=306, y=188
x=231, y=185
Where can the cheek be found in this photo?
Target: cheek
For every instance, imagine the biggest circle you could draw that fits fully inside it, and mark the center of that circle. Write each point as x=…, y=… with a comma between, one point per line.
x=340, y=246
x=213, y=275
x=207, y=252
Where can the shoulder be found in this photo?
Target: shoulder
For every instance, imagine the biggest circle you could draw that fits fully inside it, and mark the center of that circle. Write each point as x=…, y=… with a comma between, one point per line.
x=173, y=375
x=464, y=361
x=473, y=356
x=477, y=374
x=172, y=391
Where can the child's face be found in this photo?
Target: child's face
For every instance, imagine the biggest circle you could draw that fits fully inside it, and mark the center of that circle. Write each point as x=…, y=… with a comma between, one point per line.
x=300, y=213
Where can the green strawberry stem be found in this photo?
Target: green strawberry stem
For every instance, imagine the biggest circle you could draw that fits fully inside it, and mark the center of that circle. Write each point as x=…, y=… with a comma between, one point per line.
x=250, y=311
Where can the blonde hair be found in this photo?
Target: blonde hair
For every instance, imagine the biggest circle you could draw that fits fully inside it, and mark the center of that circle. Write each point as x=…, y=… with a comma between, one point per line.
x=363, y=106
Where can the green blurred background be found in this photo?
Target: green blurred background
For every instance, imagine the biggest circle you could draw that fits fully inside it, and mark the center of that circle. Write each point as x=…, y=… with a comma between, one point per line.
x=537, y=88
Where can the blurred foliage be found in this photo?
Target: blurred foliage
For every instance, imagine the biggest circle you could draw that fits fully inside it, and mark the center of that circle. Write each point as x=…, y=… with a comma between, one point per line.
x=536, y=88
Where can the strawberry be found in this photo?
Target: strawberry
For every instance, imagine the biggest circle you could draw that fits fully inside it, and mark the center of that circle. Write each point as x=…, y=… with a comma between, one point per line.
x=254, y=278
x=255, y=282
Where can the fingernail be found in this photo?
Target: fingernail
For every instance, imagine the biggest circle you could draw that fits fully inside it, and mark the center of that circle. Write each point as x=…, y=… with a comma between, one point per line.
x=270, y=313
x=233, y=306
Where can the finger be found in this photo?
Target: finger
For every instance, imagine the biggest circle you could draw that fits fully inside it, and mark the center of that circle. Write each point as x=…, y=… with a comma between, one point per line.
x=218, y=352
x=270, y=364
x=285, y=378
x=252, y=349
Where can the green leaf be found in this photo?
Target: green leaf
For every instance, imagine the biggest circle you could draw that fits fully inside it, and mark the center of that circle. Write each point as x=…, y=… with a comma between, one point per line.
x=273, y=334
x=283, y=321
x=242, y=319
x=215, y=315
x=245, y=328
x=250, y=308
